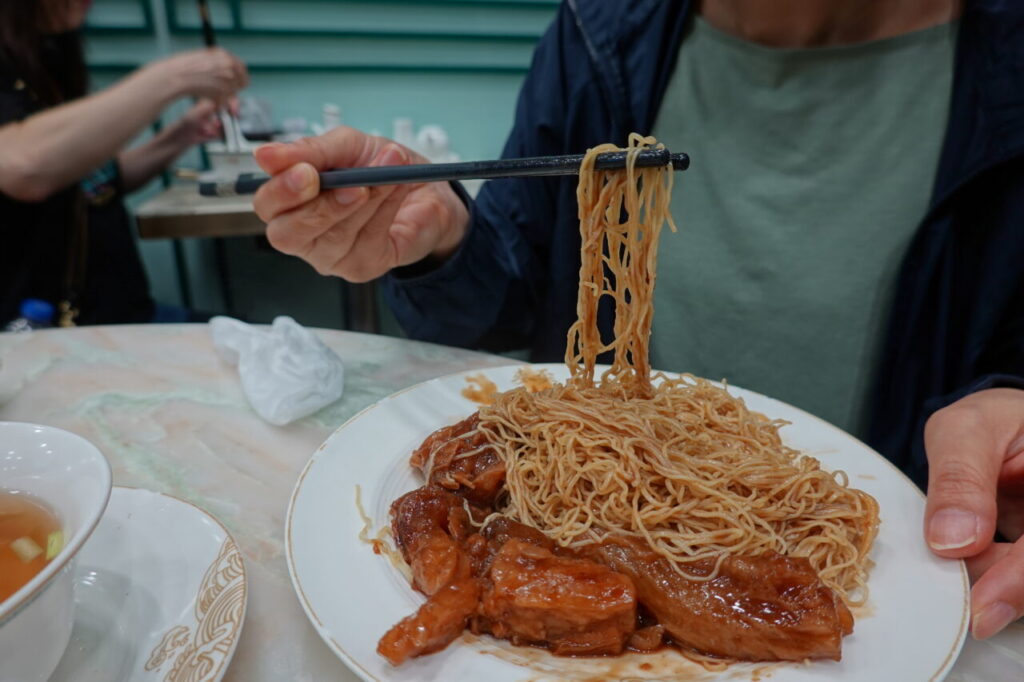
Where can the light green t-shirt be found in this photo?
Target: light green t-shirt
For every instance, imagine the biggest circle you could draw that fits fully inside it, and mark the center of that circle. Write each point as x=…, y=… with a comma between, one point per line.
x=811, y=169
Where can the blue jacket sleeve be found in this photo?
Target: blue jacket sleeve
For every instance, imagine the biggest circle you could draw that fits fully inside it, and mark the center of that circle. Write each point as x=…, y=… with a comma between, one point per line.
x=488, y=294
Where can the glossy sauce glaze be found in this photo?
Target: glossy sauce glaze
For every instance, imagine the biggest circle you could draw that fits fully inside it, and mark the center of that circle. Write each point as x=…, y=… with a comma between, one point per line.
x=510, y=581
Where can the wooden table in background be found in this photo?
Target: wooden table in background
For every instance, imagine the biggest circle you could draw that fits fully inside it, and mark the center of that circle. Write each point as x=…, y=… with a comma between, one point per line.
x=179, y=212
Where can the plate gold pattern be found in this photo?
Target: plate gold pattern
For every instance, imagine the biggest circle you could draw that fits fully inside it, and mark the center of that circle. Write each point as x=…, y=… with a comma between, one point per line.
x=199, y=655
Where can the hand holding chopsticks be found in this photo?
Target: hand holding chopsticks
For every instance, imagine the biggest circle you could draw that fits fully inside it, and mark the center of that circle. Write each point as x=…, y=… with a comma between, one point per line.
x=361, y=231
x=234, y=141
x=444, y=172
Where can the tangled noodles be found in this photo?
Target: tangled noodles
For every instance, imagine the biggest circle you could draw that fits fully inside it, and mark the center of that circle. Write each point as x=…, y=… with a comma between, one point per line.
x=675, y=461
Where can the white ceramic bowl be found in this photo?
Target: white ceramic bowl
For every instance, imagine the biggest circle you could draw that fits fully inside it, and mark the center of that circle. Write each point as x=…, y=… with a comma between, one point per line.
x=69, y=474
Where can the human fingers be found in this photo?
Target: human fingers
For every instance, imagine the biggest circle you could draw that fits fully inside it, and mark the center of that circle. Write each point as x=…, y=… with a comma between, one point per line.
x=286, y=191
x=297, y=232
x=978, y=564
x=1011, y=492
x=372, y=253
x=341, y=147
x=964, y=453
x=198, y=124
x=227, y=66
x=425, y=227
x=202, y=117
x=297, y=182
x=998, y=596
x=211, y=129
x=241, y=73
x=202, y=109
x=217, y=74
x=330, y=253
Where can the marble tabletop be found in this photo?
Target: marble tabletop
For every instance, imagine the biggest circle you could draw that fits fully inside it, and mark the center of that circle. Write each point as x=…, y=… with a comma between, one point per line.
x=171, y=417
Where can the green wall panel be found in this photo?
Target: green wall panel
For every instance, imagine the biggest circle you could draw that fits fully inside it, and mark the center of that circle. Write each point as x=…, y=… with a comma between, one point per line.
x=456, y=63
x=320, y=52
x=475, y=109
x=470, y=19
x=120, y=15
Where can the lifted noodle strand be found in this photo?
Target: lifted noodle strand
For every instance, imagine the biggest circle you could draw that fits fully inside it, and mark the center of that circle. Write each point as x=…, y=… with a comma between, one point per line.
x=678, y=462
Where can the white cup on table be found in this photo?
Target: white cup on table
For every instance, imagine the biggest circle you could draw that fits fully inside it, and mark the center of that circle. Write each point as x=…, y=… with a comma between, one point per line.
x=70, y=476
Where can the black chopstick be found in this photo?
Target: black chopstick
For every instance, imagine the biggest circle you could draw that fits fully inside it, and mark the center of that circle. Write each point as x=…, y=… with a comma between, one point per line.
x=445, y=172
x=204, y=14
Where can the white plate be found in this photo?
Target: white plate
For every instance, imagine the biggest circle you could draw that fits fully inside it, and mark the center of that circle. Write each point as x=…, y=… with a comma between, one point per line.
x=160, y=594
x=911, y=630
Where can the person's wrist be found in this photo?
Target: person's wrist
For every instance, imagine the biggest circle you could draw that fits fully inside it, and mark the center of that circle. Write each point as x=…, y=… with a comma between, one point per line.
x=179, y=134
x=166, y=79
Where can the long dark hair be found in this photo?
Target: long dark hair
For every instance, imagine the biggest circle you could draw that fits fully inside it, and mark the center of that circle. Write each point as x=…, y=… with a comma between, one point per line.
x=51, y=66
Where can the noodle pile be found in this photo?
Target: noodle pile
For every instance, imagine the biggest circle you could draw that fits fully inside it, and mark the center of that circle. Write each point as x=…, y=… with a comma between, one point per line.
x=677, y=462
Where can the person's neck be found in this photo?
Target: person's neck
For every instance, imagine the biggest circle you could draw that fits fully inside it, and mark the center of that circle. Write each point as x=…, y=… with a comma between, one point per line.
x=816, y=23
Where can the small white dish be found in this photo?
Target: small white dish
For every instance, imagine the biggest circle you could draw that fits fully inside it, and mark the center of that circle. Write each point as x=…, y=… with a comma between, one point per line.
x=69, y=475
x=160, y=594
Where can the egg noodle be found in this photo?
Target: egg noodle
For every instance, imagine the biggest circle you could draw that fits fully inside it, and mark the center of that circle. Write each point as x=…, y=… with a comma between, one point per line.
x=676, y=461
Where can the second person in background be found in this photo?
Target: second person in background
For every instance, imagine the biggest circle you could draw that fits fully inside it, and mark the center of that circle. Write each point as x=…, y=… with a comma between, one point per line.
x=65, y=166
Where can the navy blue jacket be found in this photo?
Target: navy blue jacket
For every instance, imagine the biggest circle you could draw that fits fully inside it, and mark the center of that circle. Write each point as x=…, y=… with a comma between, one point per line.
x=600, y=72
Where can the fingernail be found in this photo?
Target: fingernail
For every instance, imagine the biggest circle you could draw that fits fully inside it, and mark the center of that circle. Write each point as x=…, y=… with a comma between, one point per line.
x=393, y=155
x=297, y=178
x=952, y=529
x=992, y=619
x=348, y=195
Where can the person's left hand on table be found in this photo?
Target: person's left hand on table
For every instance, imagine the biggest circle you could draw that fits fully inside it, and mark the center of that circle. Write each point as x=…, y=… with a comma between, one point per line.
x=975, y=488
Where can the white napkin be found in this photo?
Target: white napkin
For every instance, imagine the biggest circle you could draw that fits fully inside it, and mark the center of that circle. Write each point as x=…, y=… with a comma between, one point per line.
x=287, y=372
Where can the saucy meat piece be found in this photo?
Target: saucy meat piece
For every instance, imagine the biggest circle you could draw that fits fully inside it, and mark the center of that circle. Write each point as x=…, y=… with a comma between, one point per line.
x=458, y=458
x=572, y=606
x=765, y=608
x=422, y=522
x=529, y=594
x=501, y=529
x=431, y=528
x=647, y=638
x=435, y=624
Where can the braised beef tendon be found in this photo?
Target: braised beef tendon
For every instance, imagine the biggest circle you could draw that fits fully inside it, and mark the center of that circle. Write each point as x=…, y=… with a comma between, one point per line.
x=571, y=606
x=429, y=526
x=458, y=458
x=421, y=523
x=491, y=574
x=505, y=581
x=764, y=608
x=435, y=624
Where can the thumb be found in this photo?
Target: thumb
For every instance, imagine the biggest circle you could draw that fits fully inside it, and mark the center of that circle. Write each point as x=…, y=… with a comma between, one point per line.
x=964, y=459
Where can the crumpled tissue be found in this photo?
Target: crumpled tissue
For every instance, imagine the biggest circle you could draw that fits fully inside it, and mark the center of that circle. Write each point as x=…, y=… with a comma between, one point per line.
x=287, y=372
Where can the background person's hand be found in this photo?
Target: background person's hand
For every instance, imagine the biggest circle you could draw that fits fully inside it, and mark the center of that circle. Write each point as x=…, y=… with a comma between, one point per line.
x=210, y=73
x=976, y=487
x=201, y=123
x=358, y=233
